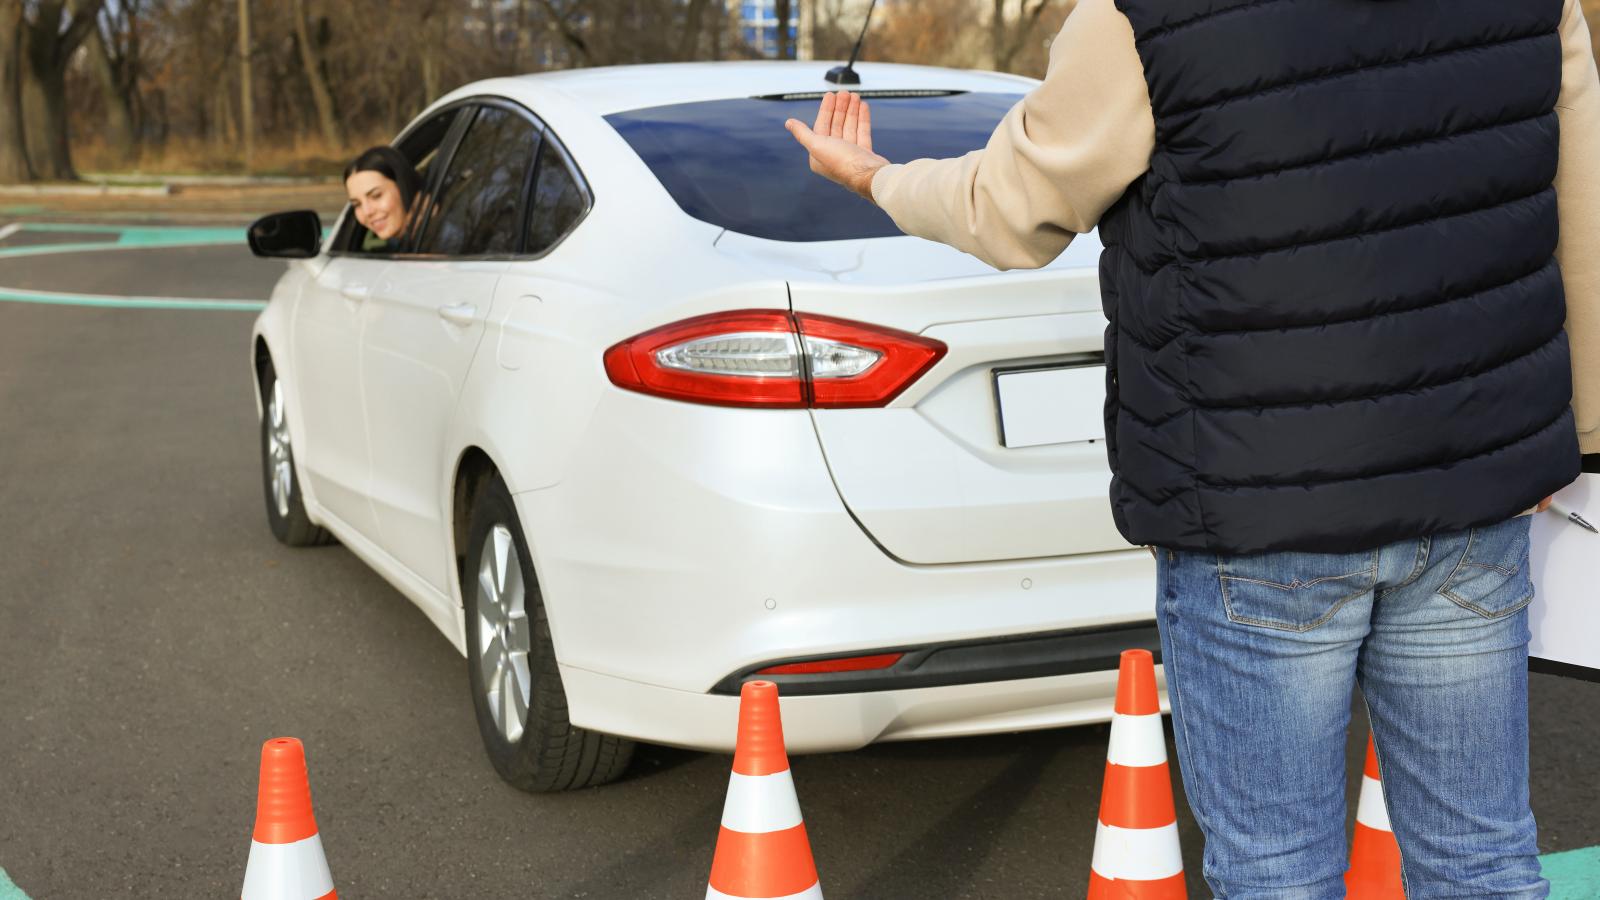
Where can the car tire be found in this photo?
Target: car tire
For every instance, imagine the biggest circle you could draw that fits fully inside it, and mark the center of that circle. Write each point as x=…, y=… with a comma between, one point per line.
x=517, y=694
x=286, y=510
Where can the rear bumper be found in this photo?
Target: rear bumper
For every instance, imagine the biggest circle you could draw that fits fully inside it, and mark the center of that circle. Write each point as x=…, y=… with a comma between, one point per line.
x=691, y=545
x=1070, y=652
x=838, y=722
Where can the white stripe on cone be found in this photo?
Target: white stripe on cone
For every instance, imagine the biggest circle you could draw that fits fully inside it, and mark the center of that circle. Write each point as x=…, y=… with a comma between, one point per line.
x=1136, y=854
x=1370, y=810
x=1137, y=740
x=297, y=871
x=758, y=804
x=811, y=893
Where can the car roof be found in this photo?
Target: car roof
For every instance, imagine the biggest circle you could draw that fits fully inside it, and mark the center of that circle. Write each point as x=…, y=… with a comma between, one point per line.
x=608, y=89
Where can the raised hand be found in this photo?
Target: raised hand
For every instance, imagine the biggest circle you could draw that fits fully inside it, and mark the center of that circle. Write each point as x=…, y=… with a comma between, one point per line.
x=840, y=142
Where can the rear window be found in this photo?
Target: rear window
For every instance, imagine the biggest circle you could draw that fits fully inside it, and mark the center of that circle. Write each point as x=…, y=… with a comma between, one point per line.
x=732, y=163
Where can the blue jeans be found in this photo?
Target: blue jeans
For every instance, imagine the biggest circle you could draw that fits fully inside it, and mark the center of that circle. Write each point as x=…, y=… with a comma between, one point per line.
x=1261, y=652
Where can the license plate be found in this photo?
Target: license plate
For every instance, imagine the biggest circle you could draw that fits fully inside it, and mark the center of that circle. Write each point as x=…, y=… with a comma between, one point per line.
x=1059, y=405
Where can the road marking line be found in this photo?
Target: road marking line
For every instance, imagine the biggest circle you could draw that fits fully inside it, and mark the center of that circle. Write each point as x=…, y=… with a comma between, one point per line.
x=51, y=298
x=128, y=238
x=8, y=889
x=1573, y=874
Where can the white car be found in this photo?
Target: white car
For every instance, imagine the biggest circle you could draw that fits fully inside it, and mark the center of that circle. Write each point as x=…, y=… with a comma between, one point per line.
x=647, y=410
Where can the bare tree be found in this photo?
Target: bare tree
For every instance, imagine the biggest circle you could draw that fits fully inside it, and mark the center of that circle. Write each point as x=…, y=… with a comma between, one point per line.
x=1007, y=38
x=47, y=47
x=310, y=57
x=14, y=166
x=247, y=101
x=781, y=8
x=691, y=30
x=111, y=57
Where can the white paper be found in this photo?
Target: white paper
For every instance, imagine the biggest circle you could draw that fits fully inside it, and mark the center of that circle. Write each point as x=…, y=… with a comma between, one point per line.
x=1565, y=613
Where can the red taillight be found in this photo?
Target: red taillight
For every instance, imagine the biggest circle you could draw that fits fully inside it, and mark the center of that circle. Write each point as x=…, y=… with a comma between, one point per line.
x=843, y=664
x=772, y=358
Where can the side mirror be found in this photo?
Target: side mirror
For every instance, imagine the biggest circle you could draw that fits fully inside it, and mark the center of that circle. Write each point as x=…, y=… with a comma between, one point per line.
x=287, y=235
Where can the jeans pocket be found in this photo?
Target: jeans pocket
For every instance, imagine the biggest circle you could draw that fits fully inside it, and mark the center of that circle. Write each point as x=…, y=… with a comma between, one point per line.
x=1293, y=591
x=1492, y=577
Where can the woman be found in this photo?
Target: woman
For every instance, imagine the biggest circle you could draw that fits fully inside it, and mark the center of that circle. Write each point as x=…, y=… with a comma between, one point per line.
x=383, y=188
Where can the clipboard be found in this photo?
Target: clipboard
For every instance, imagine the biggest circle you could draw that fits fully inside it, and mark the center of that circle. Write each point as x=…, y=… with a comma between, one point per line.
x=1565, y=614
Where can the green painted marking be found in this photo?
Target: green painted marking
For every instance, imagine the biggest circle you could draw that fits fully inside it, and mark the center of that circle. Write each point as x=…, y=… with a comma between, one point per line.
x=139, y=237
x=1574, y=874
x=156, y=237
x=150, y=236
x=9, y=889
x=50, y=298
x=48, y=249
x=84, y=228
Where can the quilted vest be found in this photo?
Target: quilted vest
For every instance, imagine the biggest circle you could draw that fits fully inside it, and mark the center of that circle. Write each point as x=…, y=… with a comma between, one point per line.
x=1336, y=320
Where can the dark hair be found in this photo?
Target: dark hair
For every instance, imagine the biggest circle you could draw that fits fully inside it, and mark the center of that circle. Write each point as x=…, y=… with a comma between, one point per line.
x=388, y=162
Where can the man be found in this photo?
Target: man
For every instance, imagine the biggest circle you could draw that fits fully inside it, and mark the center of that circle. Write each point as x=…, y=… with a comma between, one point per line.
x=1346, y=354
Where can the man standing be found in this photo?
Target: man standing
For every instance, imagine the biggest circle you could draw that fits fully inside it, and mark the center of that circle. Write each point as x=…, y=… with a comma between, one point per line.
x=1346, y=354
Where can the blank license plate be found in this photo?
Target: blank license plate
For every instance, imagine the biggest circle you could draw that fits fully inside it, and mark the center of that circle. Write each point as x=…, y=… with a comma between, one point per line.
x=1051, y=406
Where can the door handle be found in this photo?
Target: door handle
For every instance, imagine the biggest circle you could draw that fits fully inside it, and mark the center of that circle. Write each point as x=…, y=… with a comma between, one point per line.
x=355, y=292
x=462, y=314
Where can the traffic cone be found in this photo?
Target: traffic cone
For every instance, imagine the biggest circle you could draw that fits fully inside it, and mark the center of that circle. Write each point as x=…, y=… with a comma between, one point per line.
x=1136, y=854
x=286, y=861
x=1374, y=853
x=762, y=850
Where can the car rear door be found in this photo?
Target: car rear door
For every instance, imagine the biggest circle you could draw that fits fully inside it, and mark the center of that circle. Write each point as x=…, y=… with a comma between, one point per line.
x=424, y=322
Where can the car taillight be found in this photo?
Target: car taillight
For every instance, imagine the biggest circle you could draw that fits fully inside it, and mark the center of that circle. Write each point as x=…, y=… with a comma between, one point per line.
x=772, y=358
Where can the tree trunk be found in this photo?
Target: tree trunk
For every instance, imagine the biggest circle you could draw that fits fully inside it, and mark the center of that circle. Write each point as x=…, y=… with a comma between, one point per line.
x=320, y=96
x=247, y=100
x=691, y=30
x=997, y=34
x=46, y=52
x=781, y=7
x=14, y=166
x=119, y=130
x=44, y=111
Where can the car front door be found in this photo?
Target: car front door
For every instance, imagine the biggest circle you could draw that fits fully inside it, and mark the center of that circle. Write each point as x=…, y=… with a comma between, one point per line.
x=423, y=325
x=335, y=452
x=326, y=339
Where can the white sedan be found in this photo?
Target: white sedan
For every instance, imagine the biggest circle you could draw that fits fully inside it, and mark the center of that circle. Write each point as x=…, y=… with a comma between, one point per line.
x=646, y=410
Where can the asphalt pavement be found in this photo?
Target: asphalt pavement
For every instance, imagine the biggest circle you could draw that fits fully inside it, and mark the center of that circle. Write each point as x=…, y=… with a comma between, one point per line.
x=153, y=635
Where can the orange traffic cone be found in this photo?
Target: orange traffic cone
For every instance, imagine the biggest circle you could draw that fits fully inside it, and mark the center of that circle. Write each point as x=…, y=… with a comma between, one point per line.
x=762, y=850
x=1374, y=853
x=286, y=861
x=1136, y=854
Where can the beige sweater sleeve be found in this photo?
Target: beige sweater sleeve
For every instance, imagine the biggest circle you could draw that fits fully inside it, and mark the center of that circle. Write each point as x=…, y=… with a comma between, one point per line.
x=1578, y=203
x=1058, y=160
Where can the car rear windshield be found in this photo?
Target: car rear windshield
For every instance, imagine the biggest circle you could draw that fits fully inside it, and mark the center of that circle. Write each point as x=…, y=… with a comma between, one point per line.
x=732, y=163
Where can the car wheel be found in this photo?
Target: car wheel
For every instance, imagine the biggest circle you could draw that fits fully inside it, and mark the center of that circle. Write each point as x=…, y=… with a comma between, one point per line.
x=511, y=663
x=286, y=512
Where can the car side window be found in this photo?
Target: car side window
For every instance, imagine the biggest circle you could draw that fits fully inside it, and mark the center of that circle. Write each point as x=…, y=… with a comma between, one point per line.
x=420, y=145
x=477, y=210
x=559, y=201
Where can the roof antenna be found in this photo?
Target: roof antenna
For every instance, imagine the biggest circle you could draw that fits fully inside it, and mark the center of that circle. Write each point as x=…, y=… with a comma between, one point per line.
x=846, y=74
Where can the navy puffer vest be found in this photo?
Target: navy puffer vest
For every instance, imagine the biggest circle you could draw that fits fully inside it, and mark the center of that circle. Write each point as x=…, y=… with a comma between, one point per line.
x=1336, y=318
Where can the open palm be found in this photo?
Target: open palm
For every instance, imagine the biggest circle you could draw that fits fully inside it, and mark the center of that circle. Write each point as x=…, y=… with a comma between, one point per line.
x=840, y=143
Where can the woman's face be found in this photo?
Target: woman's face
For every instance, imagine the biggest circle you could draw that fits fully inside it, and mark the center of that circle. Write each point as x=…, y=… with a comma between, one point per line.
x=377, y=203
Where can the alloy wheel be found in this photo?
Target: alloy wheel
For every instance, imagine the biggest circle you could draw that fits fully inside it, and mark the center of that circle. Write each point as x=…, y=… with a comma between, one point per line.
x=280, y=461
x=503, y=634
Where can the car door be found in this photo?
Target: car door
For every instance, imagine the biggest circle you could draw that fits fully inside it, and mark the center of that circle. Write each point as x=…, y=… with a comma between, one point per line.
x=423, y=325
x=334, y=451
